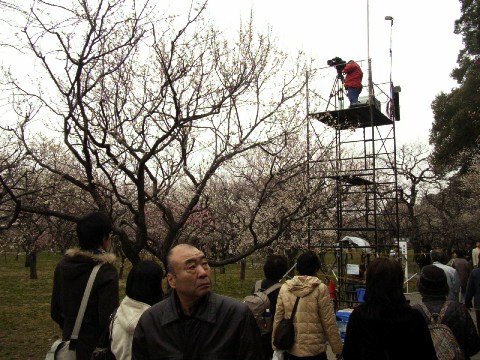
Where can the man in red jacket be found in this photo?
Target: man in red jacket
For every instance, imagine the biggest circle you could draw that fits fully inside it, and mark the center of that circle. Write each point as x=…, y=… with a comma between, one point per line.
x=353, y=81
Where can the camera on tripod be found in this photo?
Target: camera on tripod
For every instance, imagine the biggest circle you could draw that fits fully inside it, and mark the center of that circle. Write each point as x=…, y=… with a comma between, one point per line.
x=339, y=64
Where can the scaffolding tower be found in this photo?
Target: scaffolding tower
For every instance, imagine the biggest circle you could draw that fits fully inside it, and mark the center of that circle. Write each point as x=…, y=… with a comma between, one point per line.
x=362, y=170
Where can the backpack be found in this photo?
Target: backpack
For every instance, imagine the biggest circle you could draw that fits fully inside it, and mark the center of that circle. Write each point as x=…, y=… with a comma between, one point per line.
x=258, y=303
x=445, y=343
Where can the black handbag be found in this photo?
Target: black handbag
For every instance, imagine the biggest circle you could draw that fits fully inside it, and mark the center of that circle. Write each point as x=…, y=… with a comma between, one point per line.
x=102, y=354
x=285, y=332
x=105, y=353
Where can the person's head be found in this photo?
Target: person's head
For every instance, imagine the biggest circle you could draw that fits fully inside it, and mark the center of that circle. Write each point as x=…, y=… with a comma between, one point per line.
x=384, y=282
x=478, y=244
x=144, y=282
x=457, y=254
x=93, y=231
x=275, y=267
x=188, y=273
x=437, y=255
x=308, y=263
x=432, y=282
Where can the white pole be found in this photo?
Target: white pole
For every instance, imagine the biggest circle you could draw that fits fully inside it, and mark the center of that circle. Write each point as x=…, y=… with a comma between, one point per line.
x=368, y=29
x=404, y=253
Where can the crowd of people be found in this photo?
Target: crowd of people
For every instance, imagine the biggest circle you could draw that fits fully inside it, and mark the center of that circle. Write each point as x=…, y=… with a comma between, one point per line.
x=192, y=322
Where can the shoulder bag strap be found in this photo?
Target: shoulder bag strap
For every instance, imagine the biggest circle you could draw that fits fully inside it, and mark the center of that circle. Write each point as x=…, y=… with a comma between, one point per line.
x=272, y=288
x=426, y=311
x=443, y=310
x=83, y=306
x=295, y=308
x=258, y=285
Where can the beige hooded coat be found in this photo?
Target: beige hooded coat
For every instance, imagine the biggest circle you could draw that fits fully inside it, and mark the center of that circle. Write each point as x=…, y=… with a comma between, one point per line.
x=315, y=322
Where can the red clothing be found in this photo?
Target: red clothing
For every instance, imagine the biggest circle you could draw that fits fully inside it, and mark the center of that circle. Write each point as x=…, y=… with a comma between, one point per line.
x=354, y=75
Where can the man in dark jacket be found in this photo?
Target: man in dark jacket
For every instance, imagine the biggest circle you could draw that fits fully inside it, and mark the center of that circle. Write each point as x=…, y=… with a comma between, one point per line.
x=194, y=323
x=70, y=280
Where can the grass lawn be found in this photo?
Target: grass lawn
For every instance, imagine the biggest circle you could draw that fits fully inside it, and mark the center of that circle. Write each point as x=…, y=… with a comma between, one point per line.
x=26, y=329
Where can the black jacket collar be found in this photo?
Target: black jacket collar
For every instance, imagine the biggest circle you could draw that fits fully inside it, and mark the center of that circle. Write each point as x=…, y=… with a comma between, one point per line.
x=206, y=310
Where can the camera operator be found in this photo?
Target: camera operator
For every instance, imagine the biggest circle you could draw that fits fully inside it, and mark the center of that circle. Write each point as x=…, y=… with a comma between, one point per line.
x=353, y=81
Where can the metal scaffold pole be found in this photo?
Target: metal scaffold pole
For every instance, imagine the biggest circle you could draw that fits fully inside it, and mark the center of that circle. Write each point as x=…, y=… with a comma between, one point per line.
x=309, y=234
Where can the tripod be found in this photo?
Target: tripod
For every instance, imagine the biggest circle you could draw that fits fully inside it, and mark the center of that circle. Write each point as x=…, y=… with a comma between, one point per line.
x=337, y=93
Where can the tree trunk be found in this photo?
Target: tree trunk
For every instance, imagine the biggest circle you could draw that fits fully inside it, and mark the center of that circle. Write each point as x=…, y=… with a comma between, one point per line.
x=291, y=255
x=122, y=267
x=243, y=267
x=128, y=249
x=33, y=264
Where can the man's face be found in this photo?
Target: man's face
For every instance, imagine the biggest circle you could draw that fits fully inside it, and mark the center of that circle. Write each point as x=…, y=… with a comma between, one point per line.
x=191, y=273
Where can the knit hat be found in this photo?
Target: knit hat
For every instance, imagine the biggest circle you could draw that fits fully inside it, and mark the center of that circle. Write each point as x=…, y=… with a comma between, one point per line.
x=432, y=281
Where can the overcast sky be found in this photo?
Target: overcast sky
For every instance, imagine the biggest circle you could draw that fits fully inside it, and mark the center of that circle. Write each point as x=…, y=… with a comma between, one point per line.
x=424, y=47
x=423, y=44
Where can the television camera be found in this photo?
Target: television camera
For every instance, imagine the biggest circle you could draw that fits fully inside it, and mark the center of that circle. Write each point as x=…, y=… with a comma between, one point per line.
x=339, y=64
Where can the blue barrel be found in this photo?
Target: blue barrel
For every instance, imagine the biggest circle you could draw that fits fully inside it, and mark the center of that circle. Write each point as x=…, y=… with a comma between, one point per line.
x=360, y=295
x=342, y=321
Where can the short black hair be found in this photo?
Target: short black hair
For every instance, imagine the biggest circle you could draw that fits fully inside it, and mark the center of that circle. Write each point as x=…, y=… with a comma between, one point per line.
x=308, y=263
x=92, y=229
x=275, y=267
x=144, y=282
x=460, y=253
x=437, y=255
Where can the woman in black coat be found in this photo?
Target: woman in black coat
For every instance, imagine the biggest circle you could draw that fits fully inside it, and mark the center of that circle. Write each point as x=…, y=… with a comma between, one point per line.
x=385, y=326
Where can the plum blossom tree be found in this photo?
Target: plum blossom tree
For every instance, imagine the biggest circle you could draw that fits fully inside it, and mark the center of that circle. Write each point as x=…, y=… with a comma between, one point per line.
x=154, y=110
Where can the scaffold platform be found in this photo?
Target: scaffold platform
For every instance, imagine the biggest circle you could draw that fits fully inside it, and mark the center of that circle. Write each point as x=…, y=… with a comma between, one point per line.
x=354, y=117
